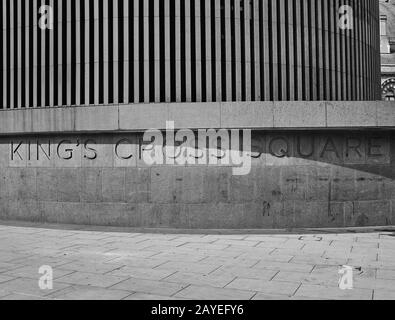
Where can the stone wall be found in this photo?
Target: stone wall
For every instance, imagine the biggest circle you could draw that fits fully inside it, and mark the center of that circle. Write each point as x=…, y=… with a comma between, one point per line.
x=298, y=179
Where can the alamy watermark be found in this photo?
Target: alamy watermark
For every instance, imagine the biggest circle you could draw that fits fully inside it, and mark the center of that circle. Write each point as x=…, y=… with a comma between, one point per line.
x=45, y=282
x=346, y=18
x=345, y=21
x=201, y=147
x=346, y=281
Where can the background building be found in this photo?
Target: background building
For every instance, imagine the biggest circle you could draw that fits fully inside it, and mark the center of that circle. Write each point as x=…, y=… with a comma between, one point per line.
x=77, y=98
x=387, y=36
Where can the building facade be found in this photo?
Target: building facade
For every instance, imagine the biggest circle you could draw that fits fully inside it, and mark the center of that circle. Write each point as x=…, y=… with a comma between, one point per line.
x=92, y=52
x=83, y=80
x=387, y=48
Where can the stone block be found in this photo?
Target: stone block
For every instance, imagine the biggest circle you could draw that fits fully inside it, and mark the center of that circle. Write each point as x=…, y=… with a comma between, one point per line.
x=46, y=184
x=342, y=184
x=21, y=183
x=91, y=185
x=96, y=118
x=258, y=215
x=385, y=114
x=3, y=184
x=68, y=185
x=65, y=213
x=242, y=188
x=163, y=215
x=318, y=183
x=336, y=217
x=130, y=216
x=372, y=213
x=4, y=209
x=216, y=184
x=4, y=152
x=54, y=119
x=351, y=114
x=137, y=185
x=387, y=188
x=191, y=183
x=228, y=216
x=299, y=115
x=113, y=184
x=143, y=116
x=164, y=185
x=294, y=182
x=309, y=214
x=268, y=184
x=200, y=215
x=103, y=214
x=283, y=214
x=16, y=121
x=24, y=210
x=368, y=185
x=247, y=115
x=195, y=116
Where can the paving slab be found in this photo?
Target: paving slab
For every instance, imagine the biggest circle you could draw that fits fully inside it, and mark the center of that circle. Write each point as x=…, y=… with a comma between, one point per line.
x=122, y=265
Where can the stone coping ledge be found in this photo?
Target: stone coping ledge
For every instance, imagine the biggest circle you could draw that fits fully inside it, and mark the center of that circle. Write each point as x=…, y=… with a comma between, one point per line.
x=318, y=115
x=296, y=231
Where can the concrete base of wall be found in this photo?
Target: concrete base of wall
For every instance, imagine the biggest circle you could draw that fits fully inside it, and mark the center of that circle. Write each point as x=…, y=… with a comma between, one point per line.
x=303, y=179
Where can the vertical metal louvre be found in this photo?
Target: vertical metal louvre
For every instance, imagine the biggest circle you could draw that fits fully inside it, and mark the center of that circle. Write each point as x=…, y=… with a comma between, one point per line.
x=145, y=51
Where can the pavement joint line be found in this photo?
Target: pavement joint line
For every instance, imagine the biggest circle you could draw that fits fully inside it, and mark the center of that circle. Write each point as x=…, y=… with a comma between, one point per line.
x=296, y=290
x=164, y=279
x=118, y=268
x=161, y=264
x=272, y=278
x=215, y=269
x=255, y=294
x=131, y=294
x=313, y=269
x=201, y=260
x=229, y=282
x=188, y=285
x=127, y=279
x=255, y=263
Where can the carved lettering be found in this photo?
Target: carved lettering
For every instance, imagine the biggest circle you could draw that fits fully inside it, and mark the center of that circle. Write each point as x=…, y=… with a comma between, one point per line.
x=299, y=147
x=117, y=151
x=47, y=153
x=374, y=148
x=353, y=146
x=93, y=154
x=211, y=147
x=282, y=152
x=15, y=151
x=330, y=146
x=69, y=152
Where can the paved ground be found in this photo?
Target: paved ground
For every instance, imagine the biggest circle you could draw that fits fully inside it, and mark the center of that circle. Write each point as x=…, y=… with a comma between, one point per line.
x=115, y=265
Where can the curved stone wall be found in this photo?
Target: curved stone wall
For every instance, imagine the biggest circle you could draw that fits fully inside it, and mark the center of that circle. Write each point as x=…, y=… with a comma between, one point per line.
x=87, y=166
x=122, y=51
